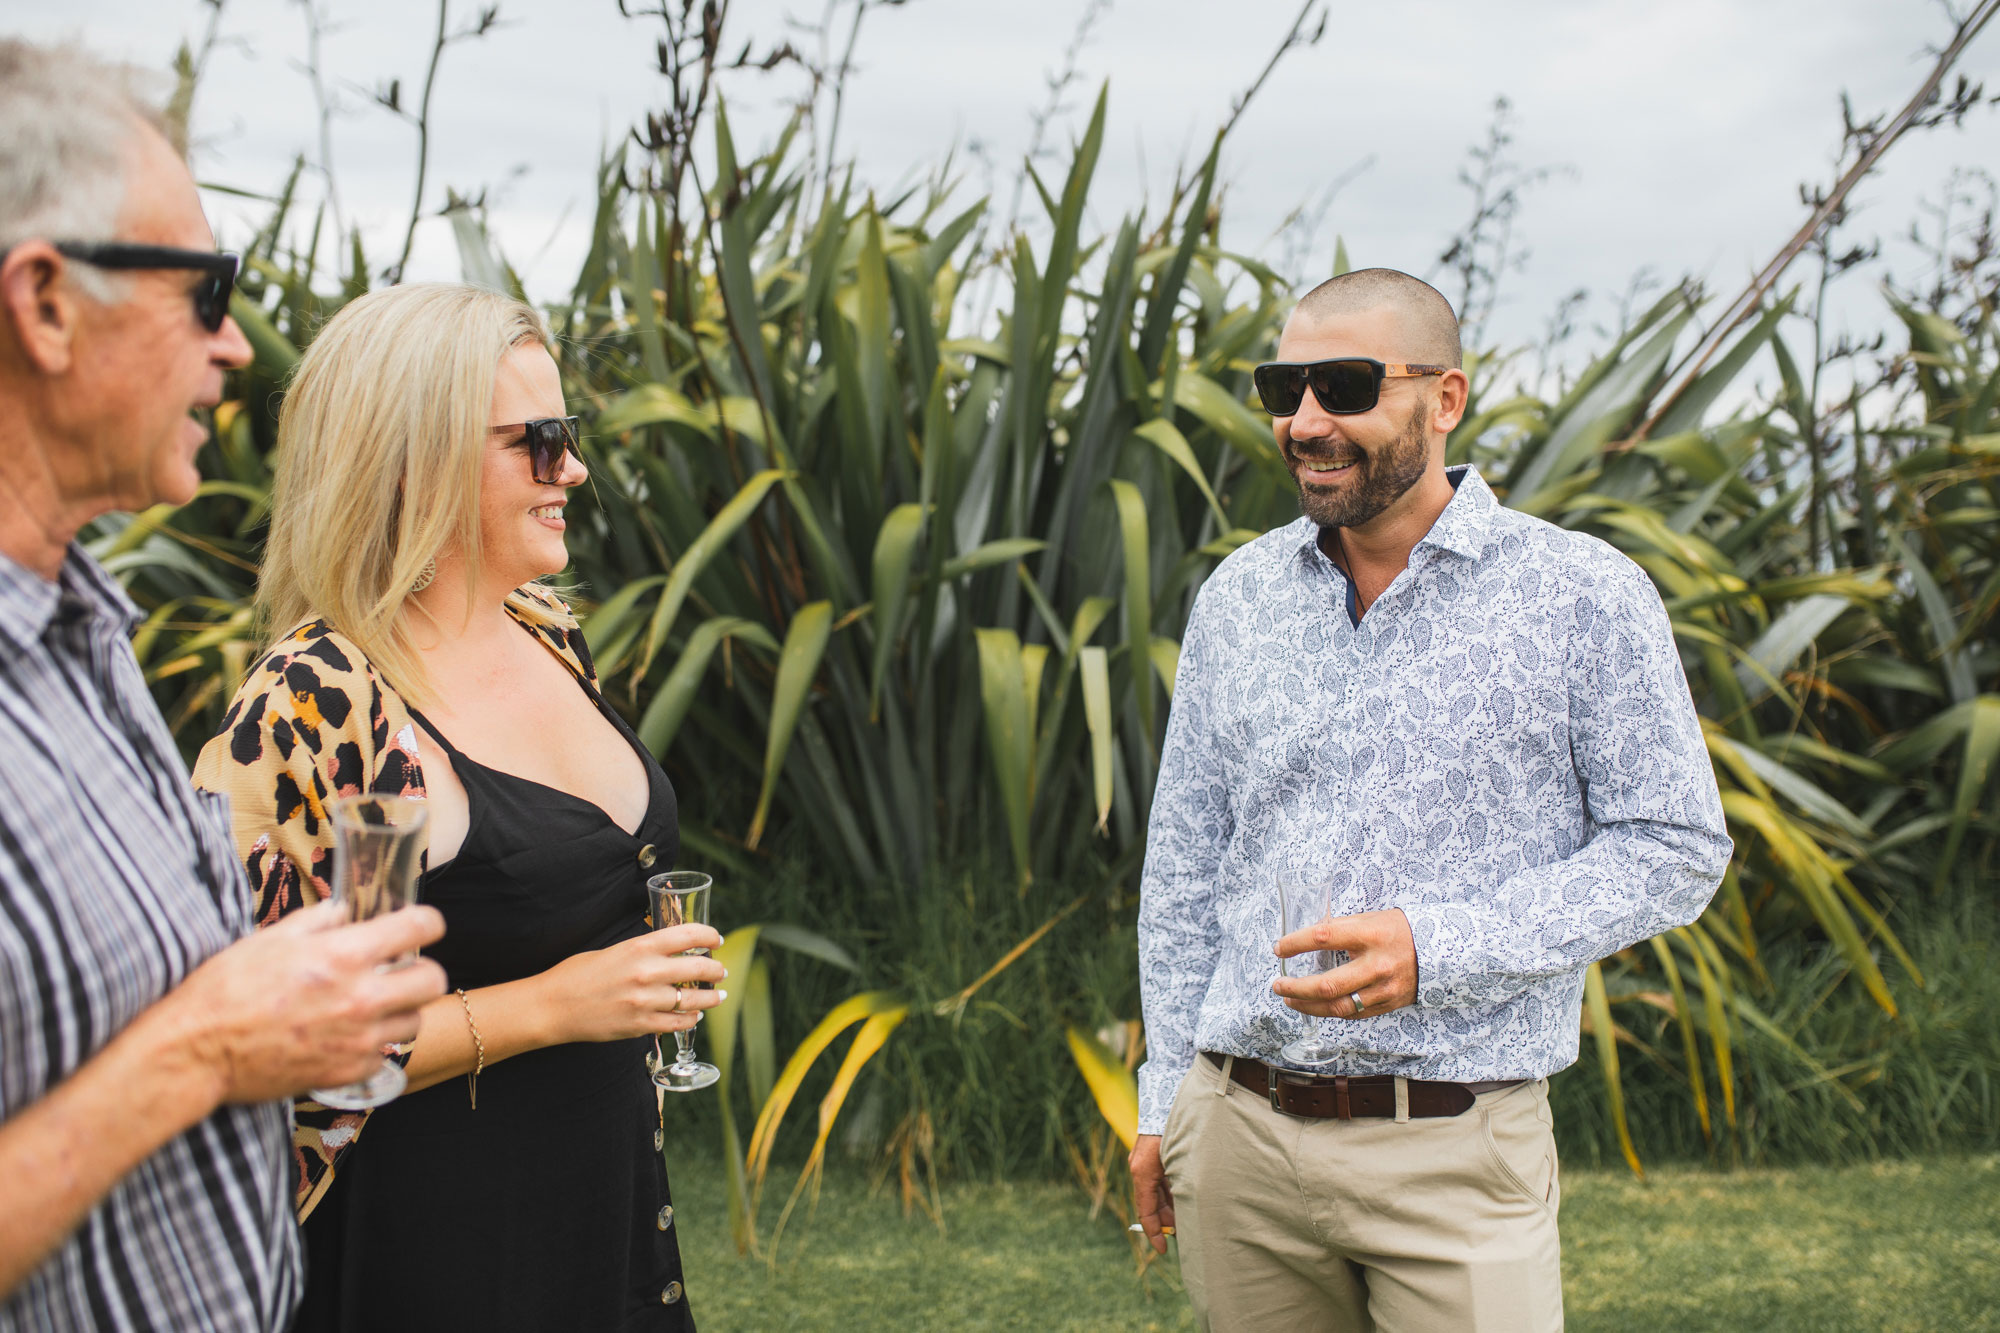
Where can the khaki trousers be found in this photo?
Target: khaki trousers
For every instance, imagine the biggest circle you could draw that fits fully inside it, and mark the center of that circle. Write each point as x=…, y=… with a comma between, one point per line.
x=1351, y=1226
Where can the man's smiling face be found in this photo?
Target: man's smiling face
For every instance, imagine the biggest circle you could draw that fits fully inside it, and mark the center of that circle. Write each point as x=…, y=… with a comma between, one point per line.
x=1351, y=467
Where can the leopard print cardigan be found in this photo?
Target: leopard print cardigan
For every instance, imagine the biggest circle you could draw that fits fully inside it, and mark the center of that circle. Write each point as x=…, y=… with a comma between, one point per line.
x=313, y=722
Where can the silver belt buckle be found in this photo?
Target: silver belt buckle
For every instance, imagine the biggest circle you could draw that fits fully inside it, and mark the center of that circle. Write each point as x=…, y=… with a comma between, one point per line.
x=1271, y=1087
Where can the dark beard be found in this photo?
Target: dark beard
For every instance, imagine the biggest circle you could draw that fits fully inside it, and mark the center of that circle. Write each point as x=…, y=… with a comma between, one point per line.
x=1384, y=476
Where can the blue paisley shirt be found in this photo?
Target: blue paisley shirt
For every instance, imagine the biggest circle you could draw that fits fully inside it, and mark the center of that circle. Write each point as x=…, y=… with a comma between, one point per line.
x=1504, y=747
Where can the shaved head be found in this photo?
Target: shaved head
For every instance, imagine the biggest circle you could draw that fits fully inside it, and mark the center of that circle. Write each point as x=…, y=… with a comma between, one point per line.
x=1428, y=328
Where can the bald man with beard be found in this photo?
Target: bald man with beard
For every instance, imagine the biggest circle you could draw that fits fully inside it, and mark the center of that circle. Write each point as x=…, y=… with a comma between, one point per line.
x=1468, y=732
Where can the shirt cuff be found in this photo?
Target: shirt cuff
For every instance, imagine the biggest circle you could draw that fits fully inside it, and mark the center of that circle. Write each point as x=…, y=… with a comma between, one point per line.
x=1159, y=1080
x=1440, y=932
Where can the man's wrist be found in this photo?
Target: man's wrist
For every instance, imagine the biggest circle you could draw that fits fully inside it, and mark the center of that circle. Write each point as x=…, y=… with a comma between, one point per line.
x=172, y=1050
x=1416, y=959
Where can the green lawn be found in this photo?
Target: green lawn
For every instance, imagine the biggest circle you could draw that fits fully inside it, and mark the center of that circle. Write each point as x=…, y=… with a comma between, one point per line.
x=1906, y=1245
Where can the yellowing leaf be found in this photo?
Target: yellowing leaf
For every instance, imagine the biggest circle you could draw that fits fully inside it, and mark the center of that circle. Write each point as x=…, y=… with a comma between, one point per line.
x=1111, y=1084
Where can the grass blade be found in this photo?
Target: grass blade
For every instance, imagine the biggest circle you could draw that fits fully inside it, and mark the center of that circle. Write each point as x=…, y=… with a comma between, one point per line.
x=1163, y=435
x=798, y=663
x=874, y=1032
x=1684, y=1020
x=895, y=547
x=992, y=553
x=661, y=721
x=1009, y=733
x=1092, y=667
x=737, y=953
x=1243, y=430
x=760, y=1041
x=812, y=944
x=852, y=1010
x=1138, y=593
x=1982, y=745
x=694, y=560
x=1606, y=1038
x=1715, y=998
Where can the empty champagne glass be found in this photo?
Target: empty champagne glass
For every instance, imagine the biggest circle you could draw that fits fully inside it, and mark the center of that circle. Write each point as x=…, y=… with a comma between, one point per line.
x=378, y=848
x=1305, y=898
x=680, y=898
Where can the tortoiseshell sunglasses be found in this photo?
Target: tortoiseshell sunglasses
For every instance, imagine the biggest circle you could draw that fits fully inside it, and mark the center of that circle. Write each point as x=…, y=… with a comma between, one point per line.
x=547, y=440
x=1344, y=385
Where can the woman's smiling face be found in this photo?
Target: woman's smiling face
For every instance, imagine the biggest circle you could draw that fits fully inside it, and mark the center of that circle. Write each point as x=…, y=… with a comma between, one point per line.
x=521, y=519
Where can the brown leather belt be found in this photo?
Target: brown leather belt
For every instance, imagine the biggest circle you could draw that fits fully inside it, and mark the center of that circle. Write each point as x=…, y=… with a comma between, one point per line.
x=1347, y=1097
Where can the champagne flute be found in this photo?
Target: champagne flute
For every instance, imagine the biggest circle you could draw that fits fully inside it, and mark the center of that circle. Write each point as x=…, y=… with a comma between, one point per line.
x=378, y=845
x=1305, y=898
x=680, y=898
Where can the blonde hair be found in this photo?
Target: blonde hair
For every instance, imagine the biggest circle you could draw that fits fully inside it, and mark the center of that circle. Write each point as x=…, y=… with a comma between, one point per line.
x=380, y=444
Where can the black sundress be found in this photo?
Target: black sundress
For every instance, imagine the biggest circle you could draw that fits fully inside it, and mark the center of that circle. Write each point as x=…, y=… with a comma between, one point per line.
x=547, y=1207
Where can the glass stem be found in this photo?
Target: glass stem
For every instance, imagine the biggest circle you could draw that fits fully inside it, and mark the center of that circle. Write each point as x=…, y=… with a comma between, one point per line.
x=683, y=1049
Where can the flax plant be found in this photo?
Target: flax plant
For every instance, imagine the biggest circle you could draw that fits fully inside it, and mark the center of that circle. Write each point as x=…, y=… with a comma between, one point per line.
x=900, y=593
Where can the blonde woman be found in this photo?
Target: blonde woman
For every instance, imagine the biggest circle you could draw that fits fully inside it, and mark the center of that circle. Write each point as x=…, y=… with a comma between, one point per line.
x=423, y=462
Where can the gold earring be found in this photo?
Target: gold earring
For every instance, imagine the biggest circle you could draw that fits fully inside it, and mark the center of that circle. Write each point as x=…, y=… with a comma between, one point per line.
x=425, y=575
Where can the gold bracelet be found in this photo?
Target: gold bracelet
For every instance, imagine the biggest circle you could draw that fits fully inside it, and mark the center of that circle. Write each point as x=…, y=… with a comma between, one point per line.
x=479, y=1046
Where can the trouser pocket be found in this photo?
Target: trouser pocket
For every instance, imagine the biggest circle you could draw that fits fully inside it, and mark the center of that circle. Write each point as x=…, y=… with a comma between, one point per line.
x=1519, y=1135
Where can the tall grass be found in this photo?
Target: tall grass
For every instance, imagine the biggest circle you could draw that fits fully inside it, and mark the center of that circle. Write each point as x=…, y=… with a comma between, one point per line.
x=1839, y=1081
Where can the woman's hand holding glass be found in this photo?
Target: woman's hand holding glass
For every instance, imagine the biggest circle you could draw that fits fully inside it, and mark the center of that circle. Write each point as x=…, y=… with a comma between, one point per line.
x=640, y=987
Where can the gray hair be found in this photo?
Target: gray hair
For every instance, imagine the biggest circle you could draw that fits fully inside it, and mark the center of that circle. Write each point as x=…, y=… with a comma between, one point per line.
x=66, y=120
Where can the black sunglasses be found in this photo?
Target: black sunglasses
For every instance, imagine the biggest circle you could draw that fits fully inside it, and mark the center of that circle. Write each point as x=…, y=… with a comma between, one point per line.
x=547, y=440
x=1345, y=385
x=211, y=294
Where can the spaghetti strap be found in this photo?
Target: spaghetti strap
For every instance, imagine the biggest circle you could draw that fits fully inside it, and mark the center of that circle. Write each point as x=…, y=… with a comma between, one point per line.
x=437, y=735
x=514, y=796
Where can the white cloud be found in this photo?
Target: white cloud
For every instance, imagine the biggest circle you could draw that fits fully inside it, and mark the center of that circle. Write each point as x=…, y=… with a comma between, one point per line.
x=1688, y=126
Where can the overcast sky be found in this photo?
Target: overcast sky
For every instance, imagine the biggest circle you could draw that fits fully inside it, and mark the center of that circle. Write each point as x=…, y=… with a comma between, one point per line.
x=1682, y=130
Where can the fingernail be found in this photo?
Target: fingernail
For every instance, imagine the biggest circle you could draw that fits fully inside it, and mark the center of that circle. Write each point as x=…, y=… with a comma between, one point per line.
x=721, y=995
x=725, y=971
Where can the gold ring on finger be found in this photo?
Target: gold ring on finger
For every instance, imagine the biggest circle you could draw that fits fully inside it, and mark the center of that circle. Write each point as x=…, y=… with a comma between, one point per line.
x=677, y=1001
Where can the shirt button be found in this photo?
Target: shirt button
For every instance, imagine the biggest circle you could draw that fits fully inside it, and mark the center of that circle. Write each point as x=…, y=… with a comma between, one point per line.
x=647, y=857
x=671, y=1293
x=666, y=1217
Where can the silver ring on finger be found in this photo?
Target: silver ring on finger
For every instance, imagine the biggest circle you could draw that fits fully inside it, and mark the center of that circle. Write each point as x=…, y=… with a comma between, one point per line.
x=1359, y=1003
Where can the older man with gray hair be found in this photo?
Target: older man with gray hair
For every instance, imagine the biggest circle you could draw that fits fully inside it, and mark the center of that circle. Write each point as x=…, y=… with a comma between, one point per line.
x=147, y=1033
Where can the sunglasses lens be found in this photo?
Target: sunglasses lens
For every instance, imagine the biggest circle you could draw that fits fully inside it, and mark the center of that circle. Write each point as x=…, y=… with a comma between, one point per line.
x=549, y=441
x=545, y=450
x=1344, y=386
x=1280, y=388
x=211, y=294
x=211, y=303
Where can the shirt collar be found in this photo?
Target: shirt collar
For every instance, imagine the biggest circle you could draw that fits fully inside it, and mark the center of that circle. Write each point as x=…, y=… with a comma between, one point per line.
x=1460, y=529
x=83, y=589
